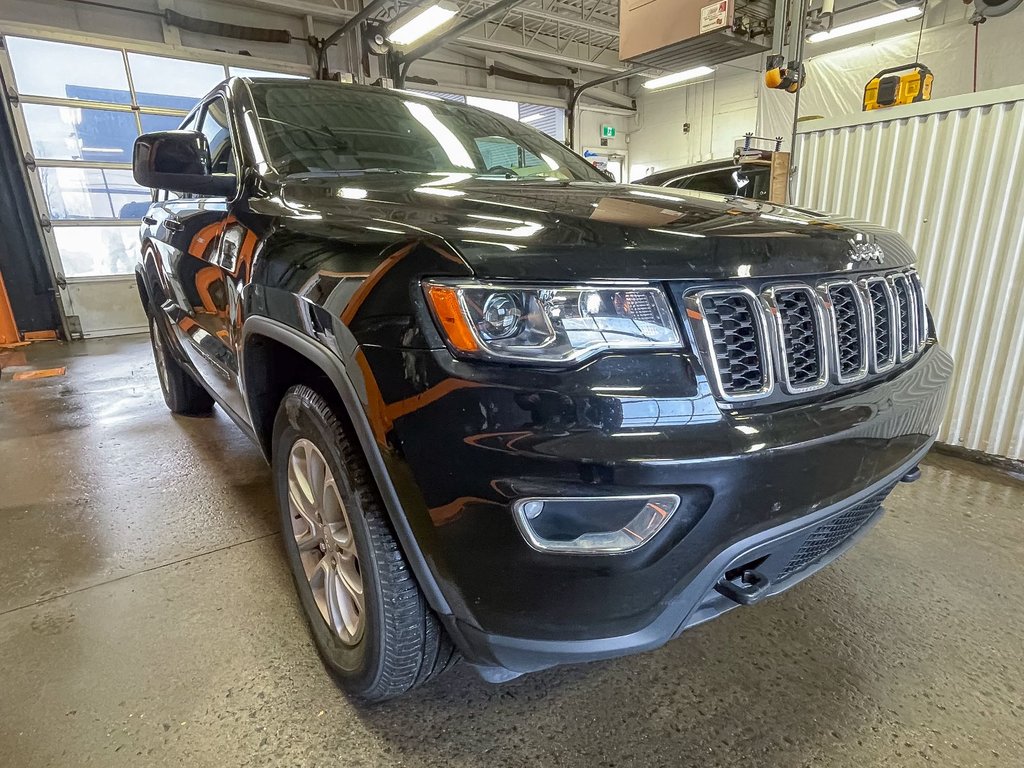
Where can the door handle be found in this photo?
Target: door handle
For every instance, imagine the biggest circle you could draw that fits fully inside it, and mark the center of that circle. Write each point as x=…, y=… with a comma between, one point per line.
x=149, y=220
x=173, y=225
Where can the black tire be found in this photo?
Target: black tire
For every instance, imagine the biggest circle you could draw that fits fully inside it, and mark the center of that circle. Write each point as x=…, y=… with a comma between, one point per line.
x=183, y=394
x=402, y=645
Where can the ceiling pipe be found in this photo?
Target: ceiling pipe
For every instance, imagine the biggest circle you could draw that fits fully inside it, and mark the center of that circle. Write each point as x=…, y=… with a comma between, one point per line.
x=405, y=60
x=577, y=92
x=321, y=57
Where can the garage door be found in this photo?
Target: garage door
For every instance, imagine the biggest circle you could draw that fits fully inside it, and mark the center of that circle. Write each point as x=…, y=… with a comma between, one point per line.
x=81, y=108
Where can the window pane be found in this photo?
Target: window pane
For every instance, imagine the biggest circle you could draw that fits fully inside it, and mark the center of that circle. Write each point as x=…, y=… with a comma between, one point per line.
x=93, y=193
x=172, y=83
x=723, y=182
x=93, y=251
x=160, y=122
x=550, y=120
x=43, y=68
x=74, y=133
x=215, y=128
x=506, y=108
x=456, y=97
x=242, y=72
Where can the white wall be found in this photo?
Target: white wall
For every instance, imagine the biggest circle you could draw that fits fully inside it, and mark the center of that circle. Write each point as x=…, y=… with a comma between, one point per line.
x=719, y=110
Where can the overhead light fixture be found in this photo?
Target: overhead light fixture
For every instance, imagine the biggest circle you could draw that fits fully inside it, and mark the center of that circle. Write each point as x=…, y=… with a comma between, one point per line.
x=678, y=77
x=903, y=14
x=421, y=21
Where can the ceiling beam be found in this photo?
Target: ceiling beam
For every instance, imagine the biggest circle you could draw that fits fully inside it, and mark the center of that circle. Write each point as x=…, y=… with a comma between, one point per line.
x=605, y=95
x=540, y=55
x=329, y=13
x=570, y=21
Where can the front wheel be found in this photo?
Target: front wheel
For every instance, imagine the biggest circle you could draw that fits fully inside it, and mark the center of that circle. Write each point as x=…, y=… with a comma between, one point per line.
x=182, y=393
x=368, y=617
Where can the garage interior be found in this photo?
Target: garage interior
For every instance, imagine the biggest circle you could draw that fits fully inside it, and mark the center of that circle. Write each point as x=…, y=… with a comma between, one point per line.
x=146, y=617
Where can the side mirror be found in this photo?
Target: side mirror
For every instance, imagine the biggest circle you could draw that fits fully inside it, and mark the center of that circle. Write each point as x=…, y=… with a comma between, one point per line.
x=179, y=161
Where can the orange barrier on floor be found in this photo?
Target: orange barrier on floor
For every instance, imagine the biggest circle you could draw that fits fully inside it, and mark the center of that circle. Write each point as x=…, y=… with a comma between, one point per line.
x=40, y=335
x=8, y=328
x=42, y=373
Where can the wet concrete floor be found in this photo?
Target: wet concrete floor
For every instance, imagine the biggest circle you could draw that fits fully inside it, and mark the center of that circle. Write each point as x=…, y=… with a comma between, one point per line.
x=147, y=618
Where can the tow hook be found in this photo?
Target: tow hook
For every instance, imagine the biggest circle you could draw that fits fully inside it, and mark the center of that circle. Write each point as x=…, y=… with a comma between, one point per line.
x=911, y=476
x=744, y=585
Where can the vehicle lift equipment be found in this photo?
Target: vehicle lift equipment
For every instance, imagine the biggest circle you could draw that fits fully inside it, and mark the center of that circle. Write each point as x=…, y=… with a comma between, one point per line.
x=788, y=43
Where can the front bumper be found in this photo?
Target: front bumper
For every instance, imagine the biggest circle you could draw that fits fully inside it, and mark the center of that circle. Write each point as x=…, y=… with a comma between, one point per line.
x=465, y=441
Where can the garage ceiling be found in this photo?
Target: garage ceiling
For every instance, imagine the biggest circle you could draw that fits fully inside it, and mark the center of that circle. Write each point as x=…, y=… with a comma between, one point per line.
x=582, y=34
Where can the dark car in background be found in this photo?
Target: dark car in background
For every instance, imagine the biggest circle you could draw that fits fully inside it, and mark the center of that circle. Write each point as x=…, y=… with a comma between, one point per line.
x=720, y=177
x=517, y=413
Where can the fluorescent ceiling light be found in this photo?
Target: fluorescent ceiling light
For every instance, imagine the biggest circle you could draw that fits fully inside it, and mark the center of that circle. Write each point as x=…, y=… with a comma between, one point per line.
x=421, y=21
x=859, y=26
x=678, y=77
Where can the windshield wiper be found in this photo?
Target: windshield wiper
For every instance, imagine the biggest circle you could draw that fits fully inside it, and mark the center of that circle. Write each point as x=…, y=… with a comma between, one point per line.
x=351, y=172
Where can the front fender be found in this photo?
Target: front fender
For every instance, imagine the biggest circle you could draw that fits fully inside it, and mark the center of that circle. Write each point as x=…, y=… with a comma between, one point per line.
x=329, y=362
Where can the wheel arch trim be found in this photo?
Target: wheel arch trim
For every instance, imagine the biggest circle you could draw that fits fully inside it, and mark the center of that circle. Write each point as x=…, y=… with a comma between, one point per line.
x=320, y=356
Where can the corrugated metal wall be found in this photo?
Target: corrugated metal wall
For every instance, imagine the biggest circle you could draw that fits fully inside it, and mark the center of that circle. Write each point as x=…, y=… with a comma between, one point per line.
x=952, y=182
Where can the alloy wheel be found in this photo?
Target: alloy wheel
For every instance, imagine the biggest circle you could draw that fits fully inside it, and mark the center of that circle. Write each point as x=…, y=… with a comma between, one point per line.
x=160, y=356
x=327, y=548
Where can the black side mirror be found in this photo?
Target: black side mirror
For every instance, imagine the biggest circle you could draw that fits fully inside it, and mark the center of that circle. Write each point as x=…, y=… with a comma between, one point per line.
x=179, y=161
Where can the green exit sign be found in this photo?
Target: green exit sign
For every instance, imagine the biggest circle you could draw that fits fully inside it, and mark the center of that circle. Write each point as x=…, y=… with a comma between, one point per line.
x=607, y=131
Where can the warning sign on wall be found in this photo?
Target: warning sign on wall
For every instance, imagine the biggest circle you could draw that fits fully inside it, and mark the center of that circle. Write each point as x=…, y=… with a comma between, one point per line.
x=714, y=16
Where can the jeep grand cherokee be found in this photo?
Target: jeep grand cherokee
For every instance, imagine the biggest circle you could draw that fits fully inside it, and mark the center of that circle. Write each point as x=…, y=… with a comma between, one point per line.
x=517, y=413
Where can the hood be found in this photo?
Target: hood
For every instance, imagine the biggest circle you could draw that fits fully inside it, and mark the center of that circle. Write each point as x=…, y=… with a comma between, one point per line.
x=551, y=230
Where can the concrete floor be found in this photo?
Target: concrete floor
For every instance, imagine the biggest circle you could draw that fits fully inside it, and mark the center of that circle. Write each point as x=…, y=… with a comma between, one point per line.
x=147, y=618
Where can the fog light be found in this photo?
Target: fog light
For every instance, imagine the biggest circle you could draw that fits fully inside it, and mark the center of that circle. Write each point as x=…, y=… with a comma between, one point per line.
x=593, y=525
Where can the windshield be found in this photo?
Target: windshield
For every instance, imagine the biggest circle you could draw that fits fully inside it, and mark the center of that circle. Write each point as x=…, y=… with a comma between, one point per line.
x=326, y=128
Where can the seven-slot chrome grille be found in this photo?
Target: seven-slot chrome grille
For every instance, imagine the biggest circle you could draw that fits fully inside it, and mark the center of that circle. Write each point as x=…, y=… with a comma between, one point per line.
x=801, y=337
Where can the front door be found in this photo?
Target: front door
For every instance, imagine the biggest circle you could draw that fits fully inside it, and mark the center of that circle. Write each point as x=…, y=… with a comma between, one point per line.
x=202, y=252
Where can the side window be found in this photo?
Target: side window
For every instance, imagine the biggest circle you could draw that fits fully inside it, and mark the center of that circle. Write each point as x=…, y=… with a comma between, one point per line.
x=215, y=128
x=760, y=183
x=721, y=182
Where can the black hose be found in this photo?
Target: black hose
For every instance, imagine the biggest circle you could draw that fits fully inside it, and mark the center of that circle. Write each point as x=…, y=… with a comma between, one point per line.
x=511, y=74
x=220, y=29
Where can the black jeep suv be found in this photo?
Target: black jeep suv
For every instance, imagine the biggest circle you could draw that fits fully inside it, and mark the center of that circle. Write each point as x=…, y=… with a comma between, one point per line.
x=515, y=412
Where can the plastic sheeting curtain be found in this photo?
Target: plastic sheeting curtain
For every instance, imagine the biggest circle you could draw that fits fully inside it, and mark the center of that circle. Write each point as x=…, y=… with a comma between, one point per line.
x=949, y=181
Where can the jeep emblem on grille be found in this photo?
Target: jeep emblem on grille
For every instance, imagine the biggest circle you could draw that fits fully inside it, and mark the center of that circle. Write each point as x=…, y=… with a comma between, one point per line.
x=866, y=252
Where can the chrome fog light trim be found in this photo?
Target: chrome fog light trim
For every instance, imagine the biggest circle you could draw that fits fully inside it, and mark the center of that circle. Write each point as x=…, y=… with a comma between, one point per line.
x=593, y=524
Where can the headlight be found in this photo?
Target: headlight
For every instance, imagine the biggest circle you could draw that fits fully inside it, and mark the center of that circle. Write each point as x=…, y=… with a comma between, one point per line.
x=550, y=324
